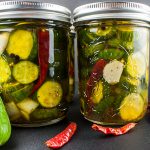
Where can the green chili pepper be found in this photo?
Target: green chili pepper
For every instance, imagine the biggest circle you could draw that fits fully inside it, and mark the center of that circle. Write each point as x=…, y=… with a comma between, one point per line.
x=5, y=127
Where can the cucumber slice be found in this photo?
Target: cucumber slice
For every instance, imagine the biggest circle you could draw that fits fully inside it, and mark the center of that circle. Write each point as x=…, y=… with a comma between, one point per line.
x=5, y=71
x=39, y=114
x=136, y=65
x=25, y=115
x=16, y=91
x=97, y=93
x=112, y=72
x=22, y=93
x=20, y=43
x=132, y=107
x=27, y=105
x=104, y=104
x=125, y=33
x=34, y=52
x=130, y=84
x=50, y=94
x=12, y=111
x=104, y=31
x=92, y=49
x=4, y=37
x=25, y=72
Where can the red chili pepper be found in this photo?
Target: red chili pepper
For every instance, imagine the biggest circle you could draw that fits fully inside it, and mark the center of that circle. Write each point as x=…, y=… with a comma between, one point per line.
x=71, y=71
x=43, y=56
x=114, y=131
x=97, y=72
x=62, y=138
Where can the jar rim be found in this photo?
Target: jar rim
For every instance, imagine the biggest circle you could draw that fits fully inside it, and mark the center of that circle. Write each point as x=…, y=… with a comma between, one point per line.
x=35, y=10
x=112, y=10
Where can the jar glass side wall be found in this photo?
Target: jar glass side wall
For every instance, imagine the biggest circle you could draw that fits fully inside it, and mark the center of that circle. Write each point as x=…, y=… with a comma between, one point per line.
x=71, y=67
x=113, y=61
x=34, y=71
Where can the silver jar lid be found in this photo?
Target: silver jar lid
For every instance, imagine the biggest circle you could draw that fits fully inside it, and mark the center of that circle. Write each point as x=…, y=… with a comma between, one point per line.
x=112, y=10
x=37, y=10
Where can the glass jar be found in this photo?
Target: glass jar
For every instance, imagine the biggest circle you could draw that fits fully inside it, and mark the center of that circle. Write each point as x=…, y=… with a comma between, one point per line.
x=113, y=55
x=34, y=65
x=71, y=65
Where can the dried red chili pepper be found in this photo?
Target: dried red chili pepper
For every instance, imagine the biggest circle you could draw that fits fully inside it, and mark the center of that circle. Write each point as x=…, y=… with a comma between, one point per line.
x=97, y=72
x=43, y=56
x=62, y=138
x=114, y=131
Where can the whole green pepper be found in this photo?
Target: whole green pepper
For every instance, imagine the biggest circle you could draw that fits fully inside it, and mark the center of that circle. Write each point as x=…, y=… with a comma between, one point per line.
x=5, y=127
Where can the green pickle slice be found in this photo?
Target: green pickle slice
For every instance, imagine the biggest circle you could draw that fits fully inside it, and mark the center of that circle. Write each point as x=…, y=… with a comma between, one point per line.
x=15, y=91
x=50, y=94
x=42, y=113
x=97, y=93
x=132, y=107
x=5, y=71
x=136, y=65
x=25, y=72
x=20, y=43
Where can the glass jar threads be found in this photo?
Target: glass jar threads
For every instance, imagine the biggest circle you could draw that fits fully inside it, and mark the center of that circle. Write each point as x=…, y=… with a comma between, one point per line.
x=34, y=62
x=113, y=47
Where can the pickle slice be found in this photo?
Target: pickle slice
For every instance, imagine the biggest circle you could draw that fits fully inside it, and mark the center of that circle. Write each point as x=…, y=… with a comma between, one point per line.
x=50, y=94
x=20, y=43
x=136, y=65
x=25, y=72
x=5, y=71
x=97, y=93
x=131, y=107
x=12, y=111
x=126, y=33
x=27, y=105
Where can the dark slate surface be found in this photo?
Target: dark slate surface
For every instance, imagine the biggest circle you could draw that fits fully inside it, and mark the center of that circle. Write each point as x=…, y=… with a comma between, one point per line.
x=85, y=138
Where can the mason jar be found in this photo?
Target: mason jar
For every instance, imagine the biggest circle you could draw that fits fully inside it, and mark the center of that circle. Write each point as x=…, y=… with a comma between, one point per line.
x=34, y=64
x=113, y=55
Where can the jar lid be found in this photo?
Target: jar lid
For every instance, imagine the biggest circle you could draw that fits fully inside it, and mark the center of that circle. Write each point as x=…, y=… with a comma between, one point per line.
x=112, y=10
x=37, y=10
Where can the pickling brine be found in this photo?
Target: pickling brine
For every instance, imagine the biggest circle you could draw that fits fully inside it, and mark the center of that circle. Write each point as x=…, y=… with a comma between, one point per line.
x=113, y=60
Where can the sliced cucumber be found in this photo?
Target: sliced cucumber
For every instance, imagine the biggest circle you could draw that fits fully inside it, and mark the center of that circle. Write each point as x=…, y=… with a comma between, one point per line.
x=130, y=84
x=25, y=115
x=34, y=52
x=12, y=111
x=15, y=91
x=20, y=43
x=25, y=72
x=104, y=31
x=125, y=33
x=27, y=105
x=4, y=37
x=50, y=94
x=91, y=49
x=39, y=114
x=113, y=71
x=22, y=93
x=97, y=93
x=104, y=104
x=136, y=65
x=5, y=71
x=132, y=107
